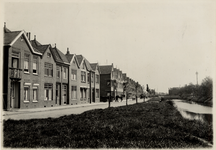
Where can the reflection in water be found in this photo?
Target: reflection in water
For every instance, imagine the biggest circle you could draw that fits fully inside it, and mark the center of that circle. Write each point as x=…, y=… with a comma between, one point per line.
x=194, y=111
x=196, y=116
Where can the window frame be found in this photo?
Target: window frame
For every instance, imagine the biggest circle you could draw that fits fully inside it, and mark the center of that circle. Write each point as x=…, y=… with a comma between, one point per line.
x=35, y=61
x=48, y=88
x=26, y=60
x=26, y=93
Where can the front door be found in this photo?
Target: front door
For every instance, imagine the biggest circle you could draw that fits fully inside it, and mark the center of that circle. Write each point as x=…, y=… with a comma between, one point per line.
x=15, y=95
x=65, y=94
x=58, y=94
x=93, y=94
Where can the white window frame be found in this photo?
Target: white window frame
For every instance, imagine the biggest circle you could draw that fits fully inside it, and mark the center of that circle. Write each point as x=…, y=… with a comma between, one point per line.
x=26, y=62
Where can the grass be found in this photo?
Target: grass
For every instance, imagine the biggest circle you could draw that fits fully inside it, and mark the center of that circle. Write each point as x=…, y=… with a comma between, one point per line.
x=143, y=125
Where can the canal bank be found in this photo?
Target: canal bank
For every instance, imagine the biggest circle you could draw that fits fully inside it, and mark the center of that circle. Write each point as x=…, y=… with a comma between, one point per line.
x=142, y=125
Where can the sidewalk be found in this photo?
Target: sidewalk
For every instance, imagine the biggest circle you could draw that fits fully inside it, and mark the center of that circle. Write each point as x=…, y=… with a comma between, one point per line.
x=64, y=107
x=33, y=110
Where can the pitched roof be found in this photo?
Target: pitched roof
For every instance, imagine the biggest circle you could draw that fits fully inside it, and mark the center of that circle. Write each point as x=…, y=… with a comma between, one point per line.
x=10, y=36
x=105, y=69
x=35, y=43
x=88, y=65
x=59, y=56
x=93, y=66
x=69, y=57
x=79, y=58
x=6, y=30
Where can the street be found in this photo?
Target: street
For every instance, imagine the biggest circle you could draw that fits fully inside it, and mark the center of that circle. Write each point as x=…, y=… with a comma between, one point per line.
x=61, y=111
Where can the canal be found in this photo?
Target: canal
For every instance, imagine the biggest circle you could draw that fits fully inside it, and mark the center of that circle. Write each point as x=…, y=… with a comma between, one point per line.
x=193, y=111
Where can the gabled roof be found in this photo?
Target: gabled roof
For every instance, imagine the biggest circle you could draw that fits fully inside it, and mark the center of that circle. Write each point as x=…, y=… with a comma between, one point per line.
x=79, y=58
x=106, y=69
x=11, y=37
x=93, y=66
x=59, y=56
x=35, y=43
x=88, y=65
x=69, y=57
x=6, y=30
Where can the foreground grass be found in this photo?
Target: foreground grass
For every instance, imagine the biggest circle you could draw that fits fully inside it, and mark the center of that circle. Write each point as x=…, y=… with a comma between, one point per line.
x=145, y=125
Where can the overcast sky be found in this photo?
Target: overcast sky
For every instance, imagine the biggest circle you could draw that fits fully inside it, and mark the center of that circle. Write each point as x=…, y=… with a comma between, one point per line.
x=159, y=43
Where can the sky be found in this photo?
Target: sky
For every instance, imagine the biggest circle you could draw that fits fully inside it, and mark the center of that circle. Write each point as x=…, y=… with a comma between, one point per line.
x=159, y=43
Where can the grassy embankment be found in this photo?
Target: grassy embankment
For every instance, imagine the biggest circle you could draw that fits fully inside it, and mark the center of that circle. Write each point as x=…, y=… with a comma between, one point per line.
x=143, y=125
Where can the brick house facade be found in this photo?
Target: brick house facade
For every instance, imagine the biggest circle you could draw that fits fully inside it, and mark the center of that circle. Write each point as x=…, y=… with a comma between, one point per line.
x=37, y=75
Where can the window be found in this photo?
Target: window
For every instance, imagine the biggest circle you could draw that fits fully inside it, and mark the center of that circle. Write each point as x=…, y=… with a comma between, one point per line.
x=35, y=65
x=73, y=92
x=26, y=62
x=92, y=78
x=97, y=93
x=58, y=71
x=48, y=55
x=26, y=93
x=83, y=76
x=73, y=74
x=35, y=93
x=48, y=91
x=65, y=73
x=82, y=93
x=15, y=62
x=88, y=78
x=48, y=69
x=97, y=78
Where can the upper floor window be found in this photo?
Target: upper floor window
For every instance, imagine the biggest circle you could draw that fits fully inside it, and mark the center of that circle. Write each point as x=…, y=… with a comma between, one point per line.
x=88, y=77
x=92, y=78
x=65, y=73
x=83, y=76
x=73, y=74
x=26, y=62
x=48, y=54
x=58, y=71
x=97, y=78
x=35, y=65
x=48, y=69
x=15, y=60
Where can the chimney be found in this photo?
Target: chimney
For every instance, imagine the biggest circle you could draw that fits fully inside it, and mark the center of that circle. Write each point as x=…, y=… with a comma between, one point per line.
x=55, y=45
x=4, y=24
x=27, y=35
x=112, y=64
x=34, y=37
x=68, y=52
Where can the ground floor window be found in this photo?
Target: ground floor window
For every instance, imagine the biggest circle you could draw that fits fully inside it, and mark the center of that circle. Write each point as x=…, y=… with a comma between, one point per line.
x=83, y=93
x=26, y=93
x=35, y=94
x=97, y=93
x=48, y=91
x=73, y=92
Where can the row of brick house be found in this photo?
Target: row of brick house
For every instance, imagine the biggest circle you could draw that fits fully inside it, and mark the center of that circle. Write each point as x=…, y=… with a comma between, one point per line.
x=39, y=75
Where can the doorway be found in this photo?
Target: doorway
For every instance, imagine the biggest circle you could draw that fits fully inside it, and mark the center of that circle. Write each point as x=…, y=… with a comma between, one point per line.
x=15, y=94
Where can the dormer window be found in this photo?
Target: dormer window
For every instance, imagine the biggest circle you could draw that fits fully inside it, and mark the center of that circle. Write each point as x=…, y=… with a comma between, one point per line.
x=48, y=55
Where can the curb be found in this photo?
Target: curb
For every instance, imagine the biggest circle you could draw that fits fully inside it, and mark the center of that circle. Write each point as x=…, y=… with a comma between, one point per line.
x=53, y=108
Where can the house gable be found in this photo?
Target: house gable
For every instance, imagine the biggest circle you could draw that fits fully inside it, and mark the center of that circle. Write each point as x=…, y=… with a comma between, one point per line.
x=83, y=65
x=19, y=39
x=74, y=62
